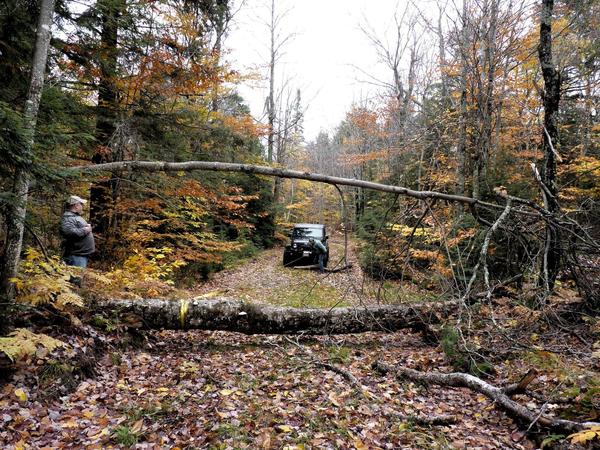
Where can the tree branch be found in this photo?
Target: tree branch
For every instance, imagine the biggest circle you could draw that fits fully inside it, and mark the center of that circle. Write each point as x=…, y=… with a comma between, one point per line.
x=163, y=166
x=497, y=394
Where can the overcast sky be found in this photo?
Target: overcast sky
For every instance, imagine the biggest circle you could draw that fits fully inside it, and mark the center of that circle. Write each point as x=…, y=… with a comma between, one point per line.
x=321, y=59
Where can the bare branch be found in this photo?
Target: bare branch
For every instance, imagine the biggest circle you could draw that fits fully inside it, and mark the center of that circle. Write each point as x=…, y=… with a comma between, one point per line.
x=163, y=166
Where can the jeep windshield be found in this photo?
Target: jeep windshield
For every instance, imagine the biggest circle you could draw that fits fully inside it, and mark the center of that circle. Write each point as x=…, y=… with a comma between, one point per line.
x=305, y=233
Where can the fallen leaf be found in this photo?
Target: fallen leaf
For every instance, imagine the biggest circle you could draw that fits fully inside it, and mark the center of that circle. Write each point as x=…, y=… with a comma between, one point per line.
x=359, y=445
x=21, y=395
x=137, y=427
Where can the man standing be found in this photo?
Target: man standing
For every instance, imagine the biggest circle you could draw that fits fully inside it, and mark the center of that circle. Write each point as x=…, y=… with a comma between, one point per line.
x=321, y=250
x=78, y=240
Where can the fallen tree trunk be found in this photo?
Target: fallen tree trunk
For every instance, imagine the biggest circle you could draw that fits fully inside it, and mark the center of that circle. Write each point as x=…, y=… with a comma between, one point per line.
x=164, y=166
x=250, y=318
x=497, y=394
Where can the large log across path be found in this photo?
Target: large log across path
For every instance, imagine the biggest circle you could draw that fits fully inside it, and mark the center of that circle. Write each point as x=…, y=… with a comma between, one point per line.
x=251, y=318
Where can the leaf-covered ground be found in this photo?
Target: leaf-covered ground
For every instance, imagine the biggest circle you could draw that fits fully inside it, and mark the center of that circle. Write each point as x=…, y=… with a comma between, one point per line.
x=223, y=390
x=177, y=389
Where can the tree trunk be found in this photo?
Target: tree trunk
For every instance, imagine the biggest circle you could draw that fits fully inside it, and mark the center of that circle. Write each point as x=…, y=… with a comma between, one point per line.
x=271, y=99
x=487, y=110
x=550, y=97
x=102, y=193
x=249, y=318
x=442, y=67
x=461, y=168
x=17, y=211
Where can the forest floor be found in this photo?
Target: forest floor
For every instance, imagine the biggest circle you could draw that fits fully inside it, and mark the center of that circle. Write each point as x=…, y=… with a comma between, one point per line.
x=199, y=389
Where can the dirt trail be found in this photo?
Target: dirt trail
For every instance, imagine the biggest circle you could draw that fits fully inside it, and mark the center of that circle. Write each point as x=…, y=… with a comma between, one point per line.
x=264, y=279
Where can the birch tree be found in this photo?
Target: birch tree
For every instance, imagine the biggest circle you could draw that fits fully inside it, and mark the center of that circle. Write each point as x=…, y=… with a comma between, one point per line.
x=277, y=42
x=18, y=209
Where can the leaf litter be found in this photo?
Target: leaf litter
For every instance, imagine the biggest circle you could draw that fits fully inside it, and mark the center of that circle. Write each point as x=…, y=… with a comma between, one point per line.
x=221, y=390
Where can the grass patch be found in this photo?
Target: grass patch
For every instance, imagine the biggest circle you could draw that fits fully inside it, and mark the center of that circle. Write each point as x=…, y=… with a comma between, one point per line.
x=340, y=355
x=306, y=296
x=396, y=292
x=123, y=435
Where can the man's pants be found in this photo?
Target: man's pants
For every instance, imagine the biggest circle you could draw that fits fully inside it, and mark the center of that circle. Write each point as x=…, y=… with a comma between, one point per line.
x=77, y=261
x=321, y=266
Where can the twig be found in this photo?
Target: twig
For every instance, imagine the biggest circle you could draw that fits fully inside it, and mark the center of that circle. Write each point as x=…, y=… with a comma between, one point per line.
x=558, y=157
x=344, y=373
x=39, y=241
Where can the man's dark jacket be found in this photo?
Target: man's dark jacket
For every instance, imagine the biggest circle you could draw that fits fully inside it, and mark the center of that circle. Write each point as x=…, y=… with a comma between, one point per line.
x=77, y=241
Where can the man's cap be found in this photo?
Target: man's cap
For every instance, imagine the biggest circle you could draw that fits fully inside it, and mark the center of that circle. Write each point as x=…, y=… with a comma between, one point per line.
x=73, y=200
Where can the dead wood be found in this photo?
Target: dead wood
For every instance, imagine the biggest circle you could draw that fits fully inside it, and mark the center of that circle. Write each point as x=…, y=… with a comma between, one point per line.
x=429, y=420
x=316, y=266
x=306, y=267
x=250, y=318
x=498, y=395
x=344, y=373
x=339, y=269
x=163, y=166
x=521, y=386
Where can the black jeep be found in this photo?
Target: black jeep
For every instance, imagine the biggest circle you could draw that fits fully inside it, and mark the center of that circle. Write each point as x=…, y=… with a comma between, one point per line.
x=299, y=251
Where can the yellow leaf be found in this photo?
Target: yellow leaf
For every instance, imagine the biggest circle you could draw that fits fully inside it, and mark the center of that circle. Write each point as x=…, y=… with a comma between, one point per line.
x=403, y=426
x=71, y=423
x=284, y=428
x=359, y=445
x=99, y=434
x=583, y=436
x=21, y=395
x=225, y=392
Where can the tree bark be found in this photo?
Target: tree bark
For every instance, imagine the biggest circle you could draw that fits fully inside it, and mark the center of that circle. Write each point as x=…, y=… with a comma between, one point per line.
x=235, y=315
x=17, y=211
x=551, y=98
